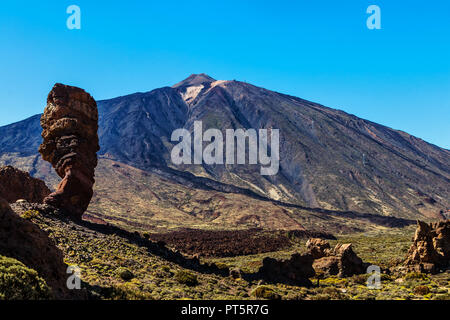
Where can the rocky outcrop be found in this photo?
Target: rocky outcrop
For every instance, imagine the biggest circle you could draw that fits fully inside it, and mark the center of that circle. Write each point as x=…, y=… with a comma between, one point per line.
x=22, y=240
x=341, y=261
x=320, y=259
x=430, y=251
x=294, y=271
x=16, y=184
x=70, y=125
x=318, y=248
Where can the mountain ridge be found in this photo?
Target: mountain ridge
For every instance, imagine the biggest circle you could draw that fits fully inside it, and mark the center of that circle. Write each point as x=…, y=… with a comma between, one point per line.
x=331, y=160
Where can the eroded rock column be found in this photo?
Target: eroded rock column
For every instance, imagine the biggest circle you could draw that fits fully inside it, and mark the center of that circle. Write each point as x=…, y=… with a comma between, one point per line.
x=70, y=144
x=430, y=251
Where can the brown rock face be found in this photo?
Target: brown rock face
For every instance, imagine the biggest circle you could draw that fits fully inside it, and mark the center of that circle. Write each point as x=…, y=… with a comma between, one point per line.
x=295, y=271
x=341, y=260
x=327, y=265
x=318, y=248
x=22, y=240
x=320, y=258
x=70, y=124
x=430, y=251
x=16, y=184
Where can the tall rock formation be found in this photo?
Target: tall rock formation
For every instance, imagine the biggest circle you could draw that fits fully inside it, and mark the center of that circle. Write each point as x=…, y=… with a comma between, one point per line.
x=430, y=251
x=70, y=144
x=16, y=184
x=341, y=261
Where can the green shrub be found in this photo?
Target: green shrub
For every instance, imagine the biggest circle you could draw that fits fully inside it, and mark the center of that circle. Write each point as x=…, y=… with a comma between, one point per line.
x=385, y=277
x=445, y=296
x=221, y=265
x=187, y=278
x=17, y=282
x=422, y=290
x=416, y=276
x=265, y=292
x=165, y=268
x=360, y=278
x=327, y=293
x=124, y=292
x=30, y=214
x=333, y=293
x=125, y=274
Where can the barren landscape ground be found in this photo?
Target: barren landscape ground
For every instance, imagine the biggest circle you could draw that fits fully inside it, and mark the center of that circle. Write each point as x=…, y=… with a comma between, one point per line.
x=118, y=265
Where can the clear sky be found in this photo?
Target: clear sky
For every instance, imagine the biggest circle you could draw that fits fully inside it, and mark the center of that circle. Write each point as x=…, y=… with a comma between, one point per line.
x=322, y=51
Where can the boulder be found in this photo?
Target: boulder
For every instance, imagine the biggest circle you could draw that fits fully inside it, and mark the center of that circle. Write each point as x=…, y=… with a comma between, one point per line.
x=70, y=144
x=349, y=263
x=318, y=248
x=327, y=265
x=341, y=261
x=297, y=270
x=16, y=184
x=235, y=273
x=430, y=251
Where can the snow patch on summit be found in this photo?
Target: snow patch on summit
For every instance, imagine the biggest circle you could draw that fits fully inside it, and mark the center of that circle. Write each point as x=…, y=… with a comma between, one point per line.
x=218, y=82
x=191, y=93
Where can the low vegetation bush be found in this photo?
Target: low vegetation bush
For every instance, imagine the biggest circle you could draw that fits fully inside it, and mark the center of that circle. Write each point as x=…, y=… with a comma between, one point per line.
x=187, y=278
x=265, y=292
x=360, y=279
x=422, y=290
x=30, y=214
x=17, y=282
x=416, y=276
x=125, y=274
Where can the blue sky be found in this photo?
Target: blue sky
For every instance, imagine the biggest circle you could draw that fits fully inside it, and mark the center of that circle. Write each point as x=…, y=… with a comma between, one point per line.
x=322, y=51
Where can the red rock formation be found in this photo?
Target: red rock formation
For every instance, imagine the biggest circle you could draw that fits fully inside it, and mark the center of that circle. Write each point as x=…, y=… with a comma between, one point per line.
x=70, y=124
x=430, y=251
x=16, y=184
x=318, y=248
x=341, y=260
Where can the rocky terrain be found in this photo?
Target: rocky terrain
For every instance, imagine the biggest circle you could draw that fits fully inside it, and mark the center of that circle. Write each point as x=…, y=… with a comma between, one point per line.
x=340, y=261
x=222, y=243
x=149, y=230
x=228, y=243
x=116, y=264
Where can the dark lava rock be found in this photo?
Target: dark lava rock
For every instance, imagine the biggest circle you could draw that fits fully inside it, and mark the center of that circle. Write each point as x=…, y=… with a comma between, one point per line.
x=294, y=271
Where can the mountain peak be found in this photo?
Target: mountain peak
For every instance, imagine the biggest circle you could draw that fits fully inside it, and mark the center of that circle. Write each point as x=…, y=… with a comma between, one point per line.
x=194, y=79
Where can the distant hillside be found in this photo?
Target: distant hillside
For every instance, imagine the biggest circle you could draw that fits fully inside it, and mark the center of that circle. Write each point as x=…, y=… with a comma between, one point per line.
x=328, y=159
